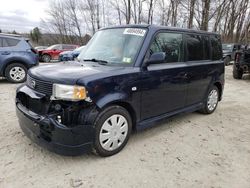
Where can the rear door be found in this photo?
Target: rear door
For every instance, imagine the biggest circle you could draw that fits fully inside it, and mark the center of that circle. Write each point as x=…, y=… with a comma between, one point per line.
x=201, y=66
x=164, y=85
x=7, y=49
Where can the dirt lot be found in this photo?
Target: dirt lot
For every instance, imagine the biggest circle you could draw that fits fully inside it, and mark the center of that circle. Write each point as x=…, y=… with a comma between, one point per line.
x=191, y=150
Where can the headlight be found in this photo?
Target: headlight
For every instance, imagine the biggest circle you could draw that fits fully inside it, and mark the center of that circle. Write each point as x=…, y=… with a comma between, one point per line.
x=68, y=92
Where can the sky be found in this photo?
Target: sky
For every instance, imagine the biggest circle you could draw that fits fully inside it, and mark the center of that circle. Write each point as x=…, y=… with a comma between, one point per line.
x=22, y=15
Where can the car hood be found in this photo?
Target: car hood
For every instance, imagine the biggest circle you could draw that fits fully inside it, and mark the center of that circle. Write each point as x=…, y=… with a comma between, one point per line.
x=69, y=72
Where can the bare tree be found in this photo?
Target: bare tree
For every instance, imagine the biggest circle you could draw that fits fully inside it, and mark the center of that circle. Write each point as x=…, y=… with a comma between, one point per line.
x=205, y=14
x=191, y=13
x=76, y=17
x=174, y=7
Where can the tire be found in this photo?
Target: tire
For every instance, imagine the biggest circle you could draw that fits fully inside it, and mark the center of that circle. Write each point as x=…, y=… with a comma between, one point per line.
x=109, y=132
x=212, y=100
x=237, y=73
x=227, y=60
x=46, y=58
x=16, y=73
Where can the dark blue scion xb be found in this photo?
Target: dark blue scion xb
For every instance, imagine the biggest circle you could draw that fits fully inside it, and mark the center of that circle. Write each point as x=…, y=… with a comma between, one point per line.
x=128, y=78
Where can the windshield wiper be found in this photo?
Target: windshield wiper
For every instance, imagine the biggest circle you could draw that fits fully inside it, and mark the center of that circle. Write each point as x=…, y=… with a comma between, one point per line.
x=99, y=61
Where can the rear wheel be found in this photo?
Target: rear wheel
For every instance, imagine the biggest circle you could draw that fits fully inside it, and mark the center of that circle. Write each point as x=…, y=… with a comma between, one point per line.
x=46, y=58
x=16, y=73
x=237, y=73
x=211, y=101
x=113, y=128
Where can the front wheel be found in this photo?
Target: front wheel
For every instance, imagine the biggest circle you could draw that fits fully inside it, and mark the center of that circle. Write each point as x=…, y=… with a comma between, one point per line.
x=113, y=128
x=212, y=100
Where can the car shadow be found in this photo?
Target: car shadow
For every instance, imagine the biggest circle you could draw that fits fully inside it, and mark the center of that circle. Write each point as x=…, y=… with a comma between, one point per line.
x=3, y=81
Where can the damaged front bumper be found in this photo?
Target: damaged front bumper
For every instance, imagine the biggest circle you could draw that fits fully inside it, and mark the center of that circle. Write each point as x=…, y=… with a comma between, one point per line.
x=45, y=129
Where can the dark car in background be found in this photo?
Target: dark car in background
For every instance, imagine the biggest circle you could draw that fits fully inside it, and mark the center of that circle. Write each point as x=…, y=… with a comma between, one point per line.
x=242, y=63
x=52, y=52
x=16, y=57
x=70, y=55
x=128, y=78
x=229, y=51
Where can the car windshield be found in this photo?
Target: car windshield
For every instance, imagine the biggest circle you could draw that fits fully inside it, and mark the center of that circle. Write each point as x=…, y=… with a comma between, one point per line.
x=114, y=46
x=53, y=47
x=79, y=49
x=227, y=46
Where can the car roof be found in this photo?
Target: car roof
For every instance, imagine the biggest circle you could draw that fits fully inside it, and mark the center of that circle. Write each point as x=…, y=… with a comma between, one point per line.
x=157, y=27
x=13, y=36
x=10, y=35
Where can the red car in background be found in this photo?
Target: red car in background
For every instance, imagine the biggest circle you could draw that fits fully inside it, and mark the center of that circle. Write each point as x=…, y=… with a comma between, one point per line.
x=52, y=52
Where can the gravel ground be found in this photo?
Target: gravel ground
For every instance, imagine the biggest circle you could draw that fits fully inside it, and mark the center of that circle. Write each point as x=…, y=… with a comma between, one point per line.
x=191, y=150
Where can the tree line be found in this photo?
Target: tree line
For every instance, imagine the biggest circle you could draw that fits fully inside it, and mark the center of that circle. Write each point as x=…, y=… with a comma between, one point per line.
x=67, y=18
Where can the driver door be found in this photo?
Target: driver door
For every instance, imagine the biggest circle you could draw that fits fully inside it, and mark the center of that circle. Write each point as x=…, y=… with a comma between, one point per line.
x=164, y=85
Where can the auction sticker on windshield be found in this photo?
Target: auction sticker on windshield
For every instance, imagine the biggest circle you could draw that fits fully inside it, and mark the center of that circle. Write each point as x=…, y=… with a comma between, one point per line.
x=134, y=31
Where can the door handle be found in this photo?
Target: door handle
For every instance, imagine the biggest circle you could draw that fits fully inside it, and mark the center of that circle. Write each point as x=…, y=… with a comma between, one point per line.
x=186, y=75
x=5, y=53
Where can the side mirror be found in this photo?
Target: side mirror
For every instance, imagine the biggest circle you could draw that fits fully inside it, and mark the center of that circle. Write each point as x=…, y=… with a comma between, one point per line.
x=156, y=58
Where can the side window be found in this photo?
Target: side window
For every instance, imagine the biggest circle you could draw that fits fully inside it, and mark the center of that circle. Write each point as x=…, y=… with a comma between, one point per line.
x=57, y=47
x=12, y=42
x=65, y=47
x=194, y=47
x=6, y=42
x=1, y=42
x=171, y=44
x=216, y=47
x=206, y=48
x=68, y=47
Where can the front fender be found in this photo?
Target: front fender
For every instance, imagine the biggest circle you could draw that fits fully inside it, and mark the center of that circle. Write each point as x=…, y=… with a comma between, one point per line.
x=111, y=98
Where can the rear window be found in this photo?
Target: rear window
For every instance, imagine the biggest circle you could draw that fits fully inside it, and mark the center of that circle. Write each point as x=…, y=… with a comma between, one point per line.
x=216, y=47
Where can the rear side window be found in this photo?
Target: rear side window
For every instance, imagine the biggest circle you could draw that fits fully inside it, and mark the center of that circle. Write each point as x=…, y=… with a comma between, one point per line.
x=194, y=48
x=171, y=44
x=8, y=42
x=68, y=47
x=216, y=47
x=206, y=47
x=197, y=47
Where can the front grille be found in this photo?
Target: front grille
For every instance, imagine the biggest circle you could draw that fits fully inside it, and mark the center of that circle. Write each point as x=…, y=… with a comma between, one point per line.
x=39, y=85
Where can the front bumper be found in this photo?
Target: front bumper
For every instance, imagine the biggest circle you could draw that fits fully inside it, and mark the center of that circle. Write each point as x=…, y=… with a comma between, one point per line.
x=46, y=131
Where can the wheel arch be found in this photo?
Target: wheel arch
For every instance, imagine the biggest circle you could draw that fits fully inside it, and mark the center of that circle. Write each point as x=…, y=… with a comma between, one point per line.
x=220, y=88
x=23, y=62
x=125, y=105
